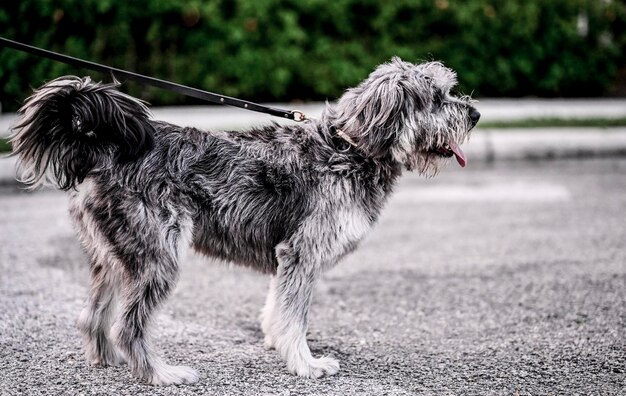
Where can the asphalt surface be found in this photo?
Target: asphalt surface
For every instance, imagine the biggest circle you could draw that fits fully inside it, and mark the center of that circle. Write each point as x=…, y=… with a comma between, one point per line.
x=507, y=278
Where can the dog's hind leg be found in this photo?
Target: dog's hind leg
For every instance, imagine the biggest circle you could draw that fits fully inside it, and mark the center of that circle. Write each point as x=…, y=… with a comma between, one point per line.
x=95, y=319
x=149, y=279
x=295, y=280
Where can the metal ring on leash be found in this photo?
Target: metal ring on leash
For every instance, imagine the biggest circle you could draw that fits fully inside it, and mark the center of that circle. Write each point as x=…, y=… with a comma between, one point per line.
x=298, y=116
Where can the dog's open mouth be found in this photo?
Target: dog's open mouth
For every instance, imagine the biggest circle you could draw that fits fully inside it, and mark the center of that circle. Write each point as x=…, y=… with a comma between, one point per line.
x=450, y=149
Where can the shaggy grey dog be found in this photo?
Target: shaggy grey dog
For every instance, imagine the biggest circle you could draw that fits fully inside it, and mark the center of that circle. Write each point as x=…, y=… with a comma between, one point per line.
x=289, y=201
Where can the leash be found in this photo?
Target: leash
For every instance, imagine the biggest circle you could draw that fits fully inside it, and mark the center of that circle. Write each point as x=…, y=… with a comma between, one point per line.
x=295, y=115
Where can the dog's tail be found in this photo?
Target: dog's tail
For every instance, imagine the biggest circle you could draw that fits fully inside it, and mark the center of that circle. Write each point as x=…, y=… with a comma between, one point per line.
x=71, y=125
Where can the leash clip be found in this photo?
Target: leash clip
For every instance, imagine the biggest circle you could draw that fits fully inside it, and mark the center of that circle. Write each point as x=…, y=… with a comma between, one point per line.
x=298, y=116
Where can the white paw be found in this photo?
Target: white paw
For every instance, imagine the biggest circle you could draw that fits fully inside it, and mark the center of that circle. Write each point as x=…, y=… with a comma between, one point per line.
x=268, y=342
x=172, y=375
x=314, y=368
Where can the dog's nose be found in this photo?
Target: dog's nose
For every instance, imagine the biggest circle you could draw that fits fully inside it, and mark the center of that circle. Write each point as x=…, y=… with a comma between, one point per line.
x=474, y=116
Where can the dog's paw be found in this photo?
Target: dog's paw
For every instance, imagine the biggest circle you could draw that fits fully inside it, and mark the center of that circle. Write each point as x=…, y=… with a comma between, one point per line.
x=173, y=375
x=315, y=368
x=117, y=360
x=108, y=356
x=268, y=342
x=109, y=361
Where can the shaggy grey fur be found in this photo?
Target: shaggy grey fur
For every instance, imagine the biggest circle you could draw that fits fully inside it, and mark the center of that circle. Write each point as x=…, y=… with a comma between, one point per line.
x=289, y=201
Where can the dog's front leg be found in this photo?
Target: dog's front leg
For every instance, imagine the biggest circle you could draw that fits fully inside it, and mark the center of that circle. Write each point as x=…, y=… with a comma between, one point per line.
x=293, y=285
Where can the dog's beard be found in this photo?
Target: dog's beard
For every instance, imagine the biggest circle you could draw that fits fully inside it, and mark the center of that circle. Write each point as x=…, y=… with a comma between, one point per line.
x=424, y=163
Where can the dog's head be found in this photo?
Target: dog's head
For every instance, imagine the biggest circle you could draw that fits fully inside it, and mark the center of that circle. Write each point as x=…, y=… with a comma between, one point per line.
x=407, y=112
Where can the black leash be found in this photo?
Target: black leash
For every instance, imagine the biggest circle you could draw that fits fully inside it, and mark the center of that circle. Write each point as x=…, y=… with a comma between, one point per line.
x=294, y=115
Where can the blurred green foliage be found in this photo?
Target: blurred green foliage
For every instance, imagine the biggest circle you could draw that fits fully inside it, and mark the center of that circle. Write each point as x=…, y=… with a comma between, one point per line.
x=284, y=50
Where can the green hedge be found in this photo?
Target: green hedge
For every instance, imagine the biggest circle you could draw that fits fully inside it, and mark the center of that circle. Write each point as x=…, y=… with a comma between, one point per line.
x=284, y=50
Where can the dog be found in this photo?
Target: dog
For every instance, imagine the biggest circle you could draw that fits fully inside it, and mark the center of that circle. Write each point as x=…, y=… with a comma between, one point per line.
x=287, y=200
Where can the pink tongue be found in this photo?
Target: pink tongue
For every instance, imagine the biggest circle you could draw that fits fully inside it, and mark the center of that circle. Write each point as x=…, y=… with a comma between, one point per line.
x=458, y=153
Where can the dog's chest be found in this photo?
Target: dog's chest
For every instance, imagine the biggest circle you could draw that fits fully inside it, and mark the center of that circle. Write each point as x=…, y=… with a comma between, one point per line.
x=351, y=225
x=339, y=232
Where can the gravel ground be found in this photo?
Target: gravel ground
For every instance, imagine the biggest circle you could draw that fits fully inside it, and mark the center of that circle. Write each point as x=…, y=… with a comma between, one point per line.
x=503, y=279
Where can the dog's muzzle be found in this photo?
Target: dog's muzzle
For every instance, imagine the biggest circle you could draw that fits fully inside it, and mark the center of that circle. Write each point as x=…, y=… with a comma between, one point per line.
x=450, y=149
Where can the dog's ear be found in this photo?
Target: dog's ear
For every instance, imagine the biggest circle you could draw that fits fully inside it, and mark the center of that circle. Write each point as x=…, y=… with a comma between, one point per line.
x=373, y=113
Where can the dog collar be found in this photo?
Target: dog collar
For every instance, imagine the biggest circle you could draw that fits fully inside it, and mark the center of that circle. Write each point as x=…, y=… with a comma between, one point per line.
x=345, y=137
